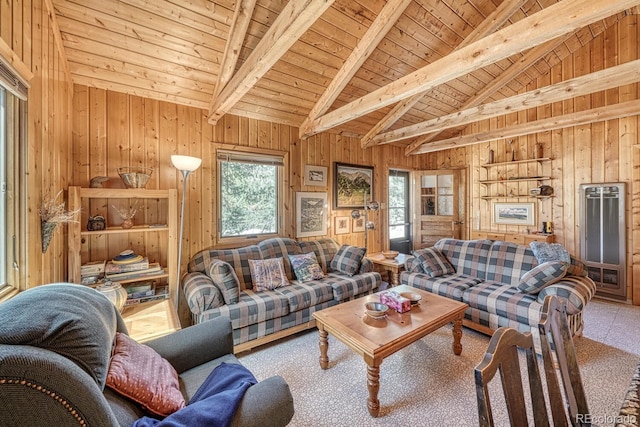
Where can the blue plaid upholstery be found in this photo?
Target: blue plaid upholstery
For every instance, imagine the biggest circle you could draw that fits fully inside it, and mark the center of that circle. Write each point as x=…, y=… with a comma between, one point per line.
x=412, y=264
x=238, y=258
x=302, y=295
x=508, y=262
x=346, y=287
x=451, y=286
x=325, y=249
x=433, y=262
x=576, y=291
x=253, y=307
x=576, y=268
x=200, y=292
x=280, y=248
x=504, y=301
x=225, y=279
x=468, y=257
x=542, y=275
x=348, y=259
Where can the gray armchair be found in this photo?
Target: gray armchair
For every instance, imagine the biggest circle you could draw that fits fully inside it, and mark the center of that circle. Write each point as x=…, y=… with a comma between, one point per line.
x=55, y=339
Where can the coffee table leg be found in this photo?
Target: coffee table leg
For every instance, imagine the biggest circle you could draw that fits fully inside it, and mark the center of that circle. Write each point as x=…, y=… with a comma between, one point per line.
x=457, y=335
x=324, y=346
x=373, y=384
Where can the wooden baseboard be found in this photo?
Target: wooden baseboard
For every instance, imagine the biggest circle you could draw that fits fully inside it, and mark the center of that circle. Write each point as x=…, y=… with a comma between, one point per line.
x=246, y=346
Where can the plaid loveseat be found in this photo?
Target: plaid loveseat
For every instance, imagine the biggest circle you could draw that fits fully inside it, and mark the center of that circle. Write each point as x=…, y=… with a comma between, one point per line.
x=256, y=315
x=486, y=277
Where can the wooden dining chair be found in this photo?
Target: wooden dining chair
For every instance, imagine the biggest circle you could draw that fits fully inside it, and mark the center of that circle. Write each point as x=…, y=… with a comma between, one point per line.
x=556, y=346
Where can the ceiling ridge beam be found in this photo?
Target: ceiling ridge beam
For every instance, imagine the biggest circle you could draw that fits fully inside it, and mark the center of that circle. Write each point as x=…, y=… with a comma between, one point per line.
x=57, y=37
x=530, y=58
x=385, y=20
x=561, y=18
x=619, y=75
x=490, y=24
x=237, y=33
x=296, y=18
x=585, y=117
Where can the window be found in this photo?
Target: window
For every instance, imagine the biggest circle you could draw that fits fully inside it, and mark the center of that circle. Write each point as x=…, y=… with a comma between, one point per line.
x=13, y=94
x=250, y=194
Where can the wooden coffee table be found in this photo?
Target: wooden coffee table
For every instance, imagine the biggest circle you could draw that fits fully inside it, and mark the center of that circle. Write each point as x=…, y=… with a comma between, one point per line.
x=375, y=339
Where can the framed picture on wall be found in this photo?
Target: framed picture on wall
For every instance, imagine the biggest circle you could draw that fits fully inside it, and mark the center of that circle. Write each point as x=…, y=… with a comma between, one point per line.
x=351, y=184
x=358, y=225
x=315, y=175
x=342, y=225
x=311, y=214
x=514, y=213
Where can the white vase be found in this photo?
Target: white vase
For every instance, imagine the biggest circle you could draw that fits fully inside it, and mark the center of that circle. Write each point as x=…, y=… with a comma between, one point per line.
x=114, y=292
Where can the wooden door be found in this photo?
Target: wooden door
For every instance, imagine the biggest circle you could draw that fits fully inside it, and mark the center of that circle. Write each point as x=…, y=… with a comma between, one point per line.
x=439, y=206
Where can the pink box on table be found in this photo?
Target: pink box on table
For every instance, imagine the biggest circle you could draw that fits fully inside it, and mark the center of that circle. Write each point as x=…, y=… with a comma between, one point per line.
x=396, y=301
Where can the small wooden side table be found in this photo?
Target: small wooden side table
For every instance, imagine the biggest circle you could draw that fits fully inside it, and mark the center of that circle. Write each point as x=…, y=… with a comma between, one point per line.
x=392, y=267
x=150, y=320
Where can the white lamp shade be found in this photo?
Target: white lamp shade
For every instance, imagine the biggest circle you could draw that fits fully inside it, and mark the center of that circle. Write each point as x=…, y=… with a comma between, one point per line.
x=185, y=163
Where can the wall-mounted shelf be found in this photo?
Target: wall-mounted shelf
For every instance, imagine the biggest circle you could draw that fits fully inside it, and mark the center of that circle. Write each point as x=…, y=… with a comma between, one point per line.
x=516, y=162
x=507, y=181
x=516, y=197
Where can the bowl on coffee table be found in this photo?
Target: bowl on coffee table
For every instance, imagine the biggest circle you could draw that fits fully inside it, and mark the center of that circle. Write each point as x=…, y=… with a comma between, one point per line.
x=376, y=310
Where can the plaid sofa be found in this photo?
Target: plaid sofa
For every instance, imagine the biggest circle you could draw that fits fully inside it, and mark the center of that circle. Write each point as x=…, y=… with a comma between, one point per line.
x=256, y=315
x=486, y=277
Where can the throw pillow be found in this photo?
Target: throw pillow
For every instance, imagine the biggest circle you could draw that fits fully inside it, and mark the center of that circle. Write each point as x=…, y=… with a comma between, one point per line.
x=306, y=267
x=545, y=274
x=433, y=262
x=139, y=373
x=225, y=279
x=549, y=252
x=267, y=274
x=348, y=258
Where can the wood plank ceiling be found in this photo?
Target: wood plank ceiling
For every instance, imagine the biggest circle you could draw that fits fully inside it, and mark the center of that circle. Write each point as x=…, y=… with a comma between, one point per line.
x=394, y=71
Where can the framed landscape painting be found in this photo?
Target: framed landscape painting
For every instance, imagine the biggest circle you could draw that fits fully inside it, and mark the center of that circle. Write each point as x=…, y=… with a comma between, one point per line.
x=315, y=175
x=514, y=213
x=311, y=214
x=350, y=185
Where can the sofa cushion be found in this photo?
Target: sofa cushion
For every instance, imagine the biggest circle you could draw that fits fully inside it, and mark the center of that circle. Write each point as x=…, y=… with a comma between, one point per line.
x=325, y=249
x=508, y=262
x=504, y=301
x=238, y=258
x=301, y=295
x=139, y=373
x=433, y=262
x=450, y=286
x=576, y=268
x=468, y=257
x=280, y=247
x=306, y=267
x=252, y=308
x=267, y=274
x=542, y=275
x=346, y=287
x=348, y=259
x=225, y=279
x=200, y=292
x=544, y=252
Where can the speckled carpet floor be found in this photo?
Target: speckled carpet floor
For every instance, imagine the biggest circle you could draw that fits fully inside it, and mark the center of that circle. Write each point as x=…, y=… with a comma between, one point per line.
x=426, y=385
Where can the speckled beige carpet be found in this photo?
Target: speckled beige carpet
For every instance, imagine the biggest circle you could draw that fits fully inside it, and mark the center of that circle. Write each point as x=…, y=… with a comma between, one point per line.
x=426, y=385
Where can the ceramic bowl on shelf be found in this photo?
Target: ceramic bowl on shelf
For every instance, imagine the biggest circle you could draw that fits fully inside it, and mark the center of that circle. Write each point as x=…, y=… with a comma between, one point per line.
x=376, y=309
x=390, y=254
x=135, y=177
x=411, y=296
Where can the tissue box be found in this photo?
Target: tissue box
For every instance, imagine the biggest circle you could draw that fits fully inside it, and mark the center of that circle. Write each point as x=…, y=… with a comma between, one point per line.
x=396, y=301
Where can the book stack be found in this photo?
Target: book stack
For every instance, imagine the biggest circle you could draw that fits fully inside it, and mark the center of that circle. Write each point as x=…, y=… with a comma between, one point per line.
x=145, y=291
x=92, y=272
x=129, y=266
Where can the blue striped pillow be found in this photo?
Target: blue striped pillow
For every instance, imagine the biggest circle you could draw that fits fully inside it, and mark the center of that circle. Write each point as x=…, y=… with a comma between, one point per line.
x=225, y=279
x=545, y=274
x=348, y=259
x=433, y=262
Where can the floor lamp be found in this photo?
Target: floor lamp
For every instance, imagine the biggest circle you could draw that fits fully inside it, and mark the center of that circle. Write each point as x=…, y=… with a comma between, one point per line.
x=371, y=205
x=186, y=165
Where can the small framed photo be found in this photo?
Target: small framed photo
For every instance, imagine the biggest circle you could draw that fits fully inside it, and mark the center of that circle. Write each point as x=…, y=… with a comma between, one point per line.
x=342, y=225
x=514, y=213
x=315, y=175
x=311, y=214
x=358, y=225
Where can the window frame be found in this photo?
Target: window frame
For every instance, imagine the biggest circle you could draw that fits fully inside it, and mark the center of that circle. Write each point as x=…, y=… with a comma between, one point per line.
x=282, y=196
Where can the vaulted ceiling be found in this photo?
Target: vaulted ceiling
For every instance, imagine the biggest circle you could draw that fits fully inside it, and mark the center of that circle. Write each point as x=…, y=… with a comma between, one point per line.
x=386, y=71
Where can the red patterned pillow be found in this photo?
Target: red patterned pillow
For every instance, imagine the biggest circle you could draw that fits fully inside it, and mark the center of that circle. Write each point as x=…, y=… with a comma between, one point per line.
x=136, y=371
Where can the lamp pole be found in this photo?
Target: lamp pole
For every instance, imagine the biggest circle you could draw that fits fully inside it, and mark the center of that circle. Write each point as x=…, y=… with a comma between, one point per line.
x=186, y=165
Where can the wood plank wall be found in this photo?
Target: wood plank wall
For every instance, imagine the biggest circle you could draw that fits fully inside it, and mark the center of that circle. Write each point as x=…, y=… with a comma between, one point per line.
x=112, y=129
x=26, y=27
x=600, y=152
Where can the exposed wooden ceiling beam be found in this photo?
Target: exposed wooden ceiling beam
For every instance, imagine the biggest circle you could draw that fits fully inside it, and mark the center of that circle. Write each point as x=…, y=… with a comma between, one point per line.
x=490, y=24
x=530, y=58
x=610, y=112
x=609, y=78
x=237, y=33
x=377, y=31
x=57, y=37
x=296, y=17
x=561, y=18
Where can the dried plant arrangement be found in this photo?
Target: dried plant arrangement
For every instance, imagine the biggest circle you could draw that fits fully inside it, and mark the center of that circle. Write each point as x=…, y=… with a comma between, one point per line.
x=127, y=214
x=52, y=213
